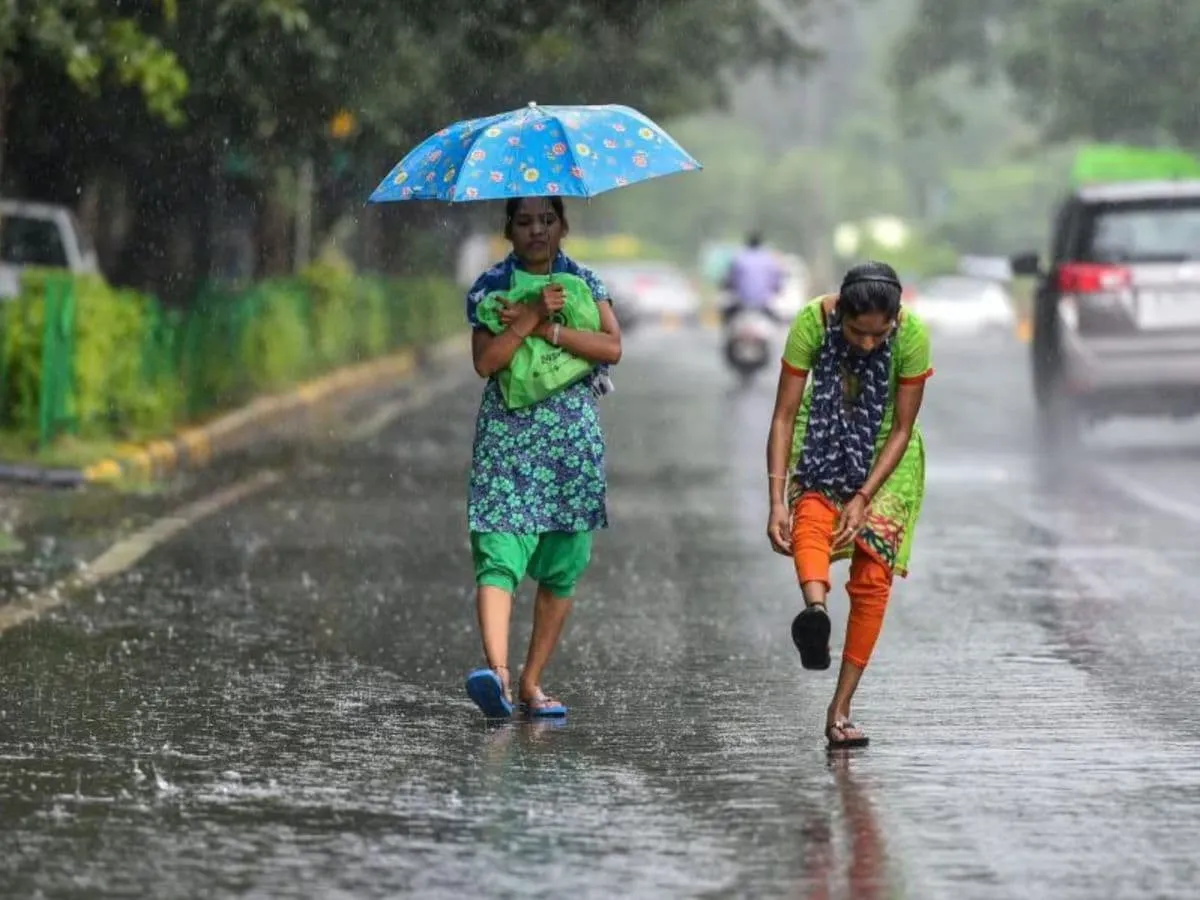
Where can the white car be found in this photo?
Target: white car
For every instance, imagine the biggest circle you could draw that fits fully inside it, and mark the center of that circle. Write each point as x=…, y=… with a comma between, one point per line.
x=962, y=305
x=797, y=287
x=651, y=289
x=40, y=235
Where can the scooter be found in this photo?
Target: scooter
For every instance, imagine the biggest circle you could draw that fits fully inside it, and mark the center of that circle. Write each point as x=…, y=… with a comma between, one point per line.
x=748, y=337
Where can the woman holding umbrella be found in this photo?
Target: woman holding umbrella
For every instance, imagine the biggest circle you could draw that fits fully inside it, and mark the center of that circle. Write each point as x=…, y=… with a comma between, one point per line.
x=846, y=465
x=537, y=487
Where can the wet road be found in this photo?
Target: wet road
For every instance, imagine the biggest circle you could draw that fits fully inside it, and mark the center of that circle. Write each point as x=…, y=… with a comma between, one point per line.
x=270, y=704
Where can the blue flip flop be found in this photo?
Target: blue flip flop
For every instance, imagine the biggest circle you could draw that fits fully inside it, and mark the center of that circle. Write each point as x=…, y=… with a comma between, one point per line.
x=487, y=690
x=545, y=708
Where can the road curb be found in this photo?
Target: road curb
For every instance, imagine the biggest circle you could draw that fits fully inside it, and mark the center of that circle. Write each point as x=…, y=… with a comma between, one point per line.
x=197, y=445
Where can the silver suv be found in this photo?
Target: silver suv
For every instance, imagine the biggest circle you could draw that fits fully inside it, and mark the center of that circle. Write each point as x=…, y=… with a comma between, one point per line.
x=1116, y=319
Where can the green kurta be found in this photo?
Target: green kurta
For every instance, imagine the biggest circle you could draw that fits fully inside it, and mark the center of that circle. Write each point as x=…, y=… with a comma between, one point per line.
x=896, y=507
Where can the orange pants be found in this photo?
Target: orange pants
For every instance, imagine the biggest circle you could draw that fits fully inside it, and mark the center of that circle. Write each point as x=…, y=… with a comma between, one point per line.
x=813, y=521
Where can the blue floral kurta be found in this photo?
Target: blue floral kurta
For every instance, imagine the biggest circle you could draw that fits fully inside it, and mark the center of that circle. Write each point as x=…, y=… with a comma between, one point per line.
x=540, y=468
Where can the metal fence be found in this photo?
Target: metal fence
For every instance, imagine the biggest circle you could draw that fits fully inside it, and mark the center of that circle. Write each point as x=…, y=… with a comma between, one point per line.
x=78, y=357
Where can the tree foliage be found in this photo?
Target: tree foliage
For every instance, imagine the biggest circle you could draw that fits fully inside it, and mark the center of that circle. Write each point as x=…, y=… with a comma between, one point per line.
x=90, y=39
x=1081, y=68
x=952, y=157
x=168, y=102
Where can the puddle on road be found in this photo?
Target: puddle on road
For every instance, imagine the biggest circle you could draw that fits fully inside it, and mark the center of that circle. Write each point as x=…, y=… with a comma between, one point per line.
x=327, y=779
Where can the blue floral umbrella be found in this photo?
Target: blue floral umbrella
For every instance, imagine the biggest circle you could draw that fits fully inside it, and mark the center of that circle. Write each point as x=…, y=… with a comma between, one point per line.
x=537, y=151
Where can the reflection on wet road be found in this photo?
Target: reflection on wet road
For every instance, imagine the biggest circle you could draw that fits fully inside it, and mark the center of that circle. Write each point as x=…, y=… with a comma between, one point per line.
x=271, y=703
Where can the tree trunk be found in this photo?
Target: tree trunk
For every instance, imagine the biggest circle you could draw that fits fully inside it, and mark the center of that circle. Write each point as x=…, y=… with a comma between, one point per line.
x=370, y=257
x=8, y=81
x=3, y=123
x=274, y=237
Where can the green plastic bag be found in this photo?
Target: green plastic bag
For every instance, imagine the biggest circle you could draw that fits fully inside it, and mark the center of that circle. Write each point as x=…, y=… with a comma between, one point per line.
x=538, y=368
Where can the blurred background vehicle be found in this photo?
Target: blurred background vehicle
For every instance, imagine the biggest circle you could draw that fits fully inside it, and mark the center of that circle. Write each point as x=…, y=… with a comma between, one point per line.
x=716, y=257
x=748, y=336
x=645, y=290
x=40, y=235
x=1116, y=320
x=962, y=305
x=797, y=286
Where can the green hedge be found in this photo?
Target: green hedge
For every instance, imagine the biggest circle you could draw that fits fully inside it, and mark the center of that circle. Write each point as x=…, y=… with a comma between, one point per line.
x=80, y=357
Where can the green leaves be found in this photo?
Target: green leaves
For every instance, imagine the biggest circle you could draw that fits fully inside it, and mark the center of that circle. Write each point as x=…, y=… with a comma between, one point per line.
x=143, y=61
x=167, y=95
x=1087, y=68
x=89, y=38
x=278, y=69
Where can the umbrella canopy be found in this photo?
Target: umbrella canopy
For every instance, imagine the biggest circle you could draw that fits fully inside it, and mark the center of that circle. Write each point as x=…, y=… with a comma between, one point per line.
x=536, y=151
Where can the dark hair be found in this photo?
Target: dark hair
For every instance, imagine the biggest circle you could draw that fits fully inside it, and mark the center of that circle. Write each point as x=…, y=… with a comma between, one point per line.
x=754, y=239
x=872, y=287
x=514, y=203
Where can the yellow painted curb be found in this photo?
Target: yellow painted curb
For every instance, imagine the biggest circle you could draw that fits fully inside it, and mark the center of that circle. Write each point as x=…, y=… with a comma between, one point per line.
x=136, y=456
x=310, y=393
x=197, y=442
x=163, y=454
x=103, y=471
x=406, y=362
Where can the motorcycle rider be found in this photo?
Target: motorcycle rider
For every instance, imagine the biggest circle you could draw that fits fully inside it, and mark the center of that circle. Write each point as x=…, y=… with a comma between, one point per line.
x=753, y=281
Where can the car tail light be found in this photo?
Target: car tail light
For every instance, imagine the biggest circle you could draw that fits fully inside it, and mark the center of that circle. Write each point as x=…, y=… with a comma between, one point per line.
x=1095, y=298
x=1090, y=278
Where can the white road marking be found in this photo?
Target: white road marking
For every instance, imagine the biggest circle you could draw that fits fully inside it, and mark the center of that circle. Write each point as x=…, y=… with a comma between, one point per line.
x=126, y=552
x=1082, y=560
x=1150, y=497
x=389, y=412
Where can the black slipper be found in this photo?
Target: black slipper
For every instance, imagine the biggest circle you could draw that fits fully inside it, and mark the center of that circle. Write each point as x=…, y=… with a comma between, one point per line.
x=810, y=634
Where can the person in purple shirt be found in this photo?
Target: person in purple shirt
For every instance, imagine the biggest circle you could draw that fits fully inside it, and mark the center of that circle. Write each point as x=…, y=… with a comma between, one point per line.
x=754, y=279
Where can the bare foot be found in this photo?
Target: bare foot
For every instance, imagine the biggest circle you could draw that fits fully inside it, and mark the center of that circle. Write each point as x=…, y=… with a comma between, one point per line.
x=502, y=674
x=840, y=731
x=538, y=703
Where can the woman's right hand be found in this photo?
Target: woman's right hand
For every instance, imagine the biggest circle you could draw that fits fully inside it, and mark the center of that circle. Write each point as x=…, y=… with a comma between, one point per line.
x=779, y=529
x=551, y=302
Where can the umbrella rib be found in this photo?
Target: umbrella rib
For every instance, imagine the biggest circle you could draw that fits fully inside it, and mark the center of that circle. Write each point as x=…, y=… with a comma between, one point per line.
x=587, y=193
x=470, y=148
x=483, y=125
x=517, y=151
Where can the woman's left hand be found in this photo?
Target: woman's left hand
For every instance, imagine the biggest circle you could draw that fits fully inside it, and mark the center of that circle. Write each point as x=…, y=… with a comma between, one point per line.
x=850, y=522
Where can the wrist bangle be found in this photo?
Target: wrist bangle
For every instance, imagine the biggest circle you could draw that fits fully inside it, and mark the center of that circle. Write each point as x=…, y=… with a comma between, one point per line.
x=554, y=332
x=777, y=477
x=863, y=494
